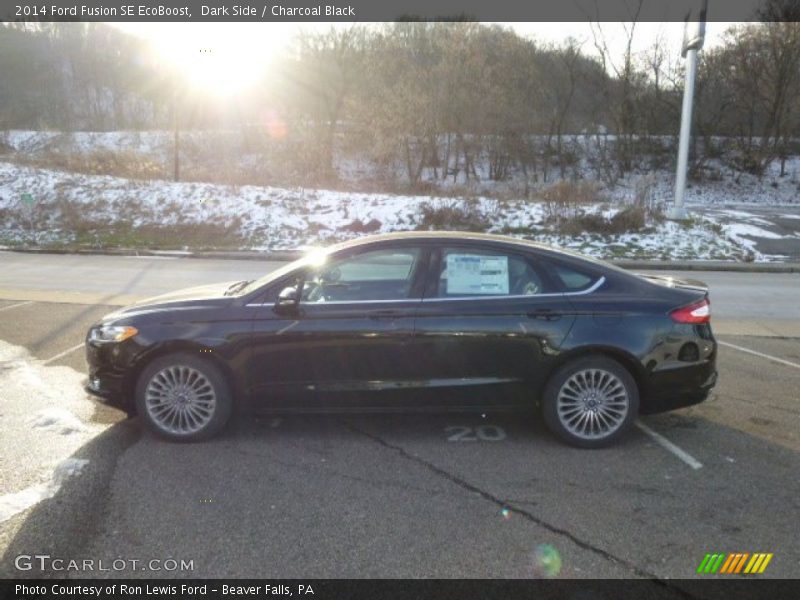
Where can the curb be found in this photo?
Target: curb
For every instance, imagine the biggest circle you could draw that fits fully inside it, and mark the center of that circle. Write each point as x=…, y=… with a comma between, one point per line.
x=708, y=265
x=289, y=255
x=279, y=255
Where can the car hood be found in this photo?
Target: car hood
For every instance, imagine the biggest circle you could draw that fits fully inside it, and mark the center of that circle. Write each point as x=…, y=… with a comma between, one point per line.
x=198, y=295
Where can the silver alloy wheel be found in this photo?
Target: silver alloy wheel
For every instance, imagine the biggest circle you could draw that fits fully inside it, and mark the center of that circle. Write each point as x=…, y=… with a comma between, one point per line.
x=180, y=400
x=592, y=404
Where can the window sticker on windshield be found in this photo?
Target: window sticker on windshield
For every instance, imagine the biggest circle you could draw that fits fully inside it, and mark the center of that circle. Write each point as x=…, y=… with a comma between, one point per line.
x=476, y=274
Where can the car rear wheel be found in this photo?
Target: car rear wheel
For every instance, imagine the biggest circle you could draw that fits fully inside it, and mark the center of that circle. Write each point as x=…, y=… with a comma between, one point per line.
x=183, y=398
x=590, y=402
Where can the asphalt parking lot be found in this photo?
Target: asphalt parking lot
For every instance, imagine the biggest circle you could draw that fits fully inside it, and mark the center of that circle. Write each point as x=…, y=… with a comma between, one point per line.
x=398, y=496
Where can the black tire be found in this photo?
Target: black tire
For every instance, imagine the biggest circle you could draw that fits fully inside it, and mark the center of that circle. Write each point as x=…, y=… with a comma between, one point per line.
x=184, y=362
x=590, y=369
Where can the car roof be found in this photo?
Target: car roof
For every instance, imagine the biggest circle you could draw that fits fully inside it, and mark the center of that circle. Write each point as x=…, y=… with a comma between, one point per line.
x=442, y=236
x=458, y=236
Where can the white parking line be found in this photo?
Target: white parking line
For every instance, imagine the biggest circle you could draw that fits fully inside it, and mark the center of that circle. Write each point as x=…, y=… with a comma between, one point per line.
x=16, y=305
x=665, y=443
x=761, y=354
x=62, y=354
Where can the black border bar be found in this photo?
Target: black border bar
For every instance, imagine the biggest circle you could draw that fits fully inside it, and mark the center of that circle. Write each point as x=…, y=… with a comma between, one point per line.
x=733, y=588
x=377, y=10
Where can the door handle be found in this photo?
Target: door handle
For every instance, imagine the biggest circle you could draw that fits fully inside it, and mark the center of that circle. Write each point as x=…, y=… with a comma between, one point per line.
x=545, y=314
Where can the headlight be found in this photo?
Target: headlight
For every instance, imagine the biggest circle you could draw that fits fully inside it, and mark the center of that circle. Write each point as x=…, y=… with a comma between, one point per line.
x=111, y=333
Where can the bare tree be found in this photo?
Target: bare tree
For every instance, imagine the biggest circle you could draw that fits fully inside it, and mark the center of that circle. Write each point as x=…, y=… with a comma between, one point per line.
x=758, y=69
x=620, y=91
x=324, y=73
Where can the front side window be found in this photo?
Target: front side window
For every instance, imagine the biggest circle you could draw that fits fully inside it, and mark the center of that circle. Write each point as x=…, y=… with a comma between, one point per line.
x=370, y=276
x=468, y=273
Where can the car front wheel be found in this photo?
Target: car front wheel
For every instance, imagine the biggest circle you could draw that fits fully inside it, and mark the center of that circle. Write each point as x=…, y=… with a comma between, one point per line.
x=183, y=398
x=590, y=402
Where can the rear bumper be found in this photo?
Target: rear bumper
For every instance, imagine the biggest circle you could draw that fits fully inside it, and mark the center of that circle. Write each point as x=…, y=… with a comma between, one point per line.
x=678, y=388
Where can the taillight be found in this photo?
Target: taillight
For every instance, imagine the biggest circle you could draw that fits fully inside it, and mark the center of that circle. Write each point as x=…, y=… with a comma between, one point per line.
x=699, y=312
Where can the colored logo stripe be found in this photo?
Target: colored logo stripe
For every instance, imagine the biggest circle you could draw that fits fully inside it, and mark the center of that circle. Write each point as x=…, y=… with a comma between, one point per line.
x=760, y=563
x=735, y=563
x=727, y=564
x=740, y=564
x=710, y=563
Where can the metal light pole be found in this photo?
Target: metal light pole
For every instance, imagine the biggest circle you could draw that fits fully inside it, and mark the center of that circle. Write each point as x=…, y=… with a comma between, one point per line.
x=692, y=42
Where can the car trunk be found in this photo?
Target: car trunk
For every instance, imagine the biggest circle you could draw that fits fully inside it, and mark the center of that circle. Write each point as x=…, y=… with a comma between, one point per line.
x=692, y=285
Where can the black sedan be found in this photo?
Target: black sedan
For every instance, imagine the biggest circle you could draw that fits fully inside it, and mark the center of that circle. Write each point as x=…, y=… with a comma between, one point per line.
x=414, y=321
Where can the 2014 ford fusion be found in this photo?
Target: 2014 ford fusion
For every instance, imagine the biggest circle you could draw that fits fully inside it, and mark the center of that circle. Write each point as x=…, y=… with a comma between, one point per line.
x=414, y=321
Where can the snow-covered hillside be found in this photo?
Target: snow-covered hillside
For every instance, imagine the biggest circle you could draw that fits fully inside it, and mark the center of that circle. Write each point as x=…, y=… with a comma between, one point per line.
x=35, y=203
x=250, y=158
x=48, y=197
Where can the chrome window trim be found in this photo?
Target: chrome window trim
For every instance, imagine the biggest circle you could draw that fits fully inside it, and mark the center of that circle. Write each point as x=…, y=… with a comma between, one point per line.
x=588, y=290
x=404, y=300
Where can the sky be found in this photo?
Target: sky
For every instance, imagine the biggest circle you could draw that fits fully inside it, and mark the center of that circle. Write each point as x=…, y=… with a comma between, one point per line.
x=277, y=34
x=230, y=54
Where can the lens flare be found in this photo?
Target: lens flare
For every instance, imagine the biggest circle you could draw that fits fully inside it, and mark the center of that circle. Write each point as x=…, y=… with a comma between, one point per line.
x=546, y=561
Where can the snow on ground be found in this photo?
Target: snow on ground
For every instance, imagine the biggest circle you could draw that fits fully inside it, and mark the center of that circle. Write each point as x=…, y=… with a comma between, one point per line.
x=745, y=229
x=16, y=502
x=31, y=142
x=726, y=186
x=45, y=418
x=742, y=233
x=669, y=241
x=272, y=218
x=742, y=215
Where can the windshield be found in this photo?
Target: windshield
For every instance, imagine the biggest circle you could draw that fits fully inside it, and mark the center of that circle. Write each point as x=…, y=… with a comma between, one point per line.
x=312, y=258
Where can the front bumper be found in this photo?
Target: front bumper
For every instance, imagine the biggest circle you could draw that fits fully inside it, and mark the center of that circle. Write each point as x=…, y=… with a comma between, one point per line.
x=107, y=380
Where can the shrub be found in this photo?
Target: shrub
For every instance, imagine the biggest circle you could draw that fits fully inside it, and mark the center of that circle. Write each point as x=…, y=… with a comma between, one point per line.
x=453, y=215
x=5, y=146
x=630, y=219
x=587, y=223
x=749, y=161
x=358, y=226
x=122, y=163
x=566, y=199
x=180, y=235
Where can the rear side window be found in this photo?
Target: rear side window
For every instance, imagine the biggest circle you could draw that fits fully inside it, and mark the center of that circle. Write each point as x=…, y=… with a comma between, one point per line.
x=473, y=273
x=572, y=279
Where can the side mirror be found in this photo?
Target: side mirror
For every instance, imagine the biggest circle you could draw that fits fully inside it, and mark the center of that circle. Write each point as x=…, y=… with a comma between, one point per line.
x=287, y=301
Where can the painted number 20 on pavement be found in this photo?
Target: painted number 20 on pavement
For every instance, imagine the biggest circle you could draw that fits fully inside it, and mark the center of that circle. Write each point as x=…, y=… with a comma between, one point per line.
x=481, y=433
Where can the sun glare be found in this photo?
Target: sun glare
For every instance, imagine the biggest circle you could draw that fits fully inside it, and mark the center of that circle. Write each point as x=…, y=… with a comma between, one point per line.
x=224, y=68
x=223, y=59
